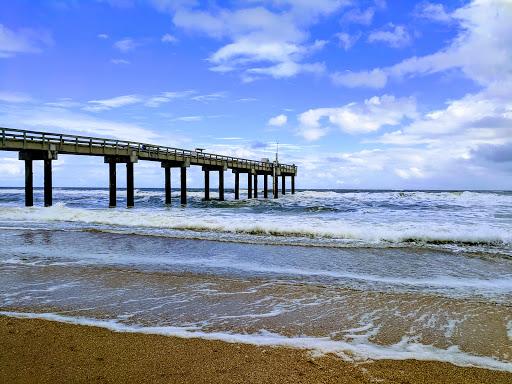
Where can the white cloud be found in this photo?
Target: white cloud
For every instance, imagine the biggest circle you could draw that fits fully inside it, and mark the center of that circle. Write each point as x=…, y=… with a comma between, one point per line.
x=103, y=36
x=347, y=40
x=206, y=98
x=126, y=45
x=14, y=97
x=357, y=118
x=395, y=36
x=168, y=38
x=189, y=118
x=357, y=16
x=10, y=166
x=278, y=121
x=119, y=61
x=166, y=97
x=24, y=40
x=482, y=49
x=432, y=11
x=115, y=102
x=261, y=42
x=375, y=78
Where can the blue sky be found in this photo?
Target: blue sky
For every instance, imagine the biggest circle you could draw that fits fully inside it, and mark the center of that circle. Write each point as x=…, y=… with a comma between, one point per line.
x=359, y=94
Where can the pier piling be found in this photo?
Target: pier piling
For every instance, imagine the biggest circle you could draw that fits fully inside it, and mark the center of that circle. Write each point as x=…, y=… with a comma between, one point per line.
x=167, y=185
x=48, y=200
x=29, y=183
x=255, y=185
x=265, y=186
x=283, y=185
x=206, y=184
x=249, y=185
x=293, y=184
x=130, y=200
x=237, y=186
x=183, y=187
x=112, y=185
x=221, y=184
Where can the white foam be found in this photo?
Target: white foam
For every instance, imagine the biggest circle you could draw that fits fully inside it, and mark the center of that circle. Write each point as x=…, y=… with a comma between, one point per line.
x=271, y=225
x=356, y=350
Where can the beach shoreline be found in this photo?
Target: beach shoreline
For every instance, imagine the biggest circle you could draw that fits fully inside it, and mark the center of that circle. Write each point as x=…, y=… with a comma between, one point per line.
x=42, y=351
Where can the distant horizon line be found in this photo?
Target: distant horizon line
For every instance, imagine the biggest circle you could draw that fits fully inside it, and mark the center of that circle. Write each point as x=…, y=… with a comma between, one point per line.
x=296, y=189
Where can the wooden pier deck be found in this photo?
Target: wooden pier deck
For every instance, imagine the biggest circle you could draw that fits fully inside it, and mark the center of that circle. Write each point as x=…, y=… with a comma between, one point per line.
x=46, y=146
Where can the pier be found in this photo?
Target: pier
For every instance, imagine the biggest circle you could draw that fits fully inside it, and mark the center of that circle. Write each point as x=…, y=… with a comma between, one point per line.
x=45, y=146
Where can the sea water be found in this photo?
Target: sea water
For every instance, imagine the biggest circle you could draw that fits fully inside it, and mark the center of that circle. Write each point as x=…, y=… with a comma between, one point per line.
x=362, y=274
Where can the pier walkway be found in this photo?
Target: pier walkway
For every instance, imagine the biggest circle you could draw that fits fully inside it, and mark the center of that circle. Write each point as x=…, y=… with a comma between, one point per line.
x=45, y=146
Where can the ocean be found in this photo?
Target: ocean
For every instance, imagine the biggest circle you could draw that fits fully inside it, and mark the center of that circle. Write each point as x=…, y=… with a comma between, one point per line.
x=362, y=274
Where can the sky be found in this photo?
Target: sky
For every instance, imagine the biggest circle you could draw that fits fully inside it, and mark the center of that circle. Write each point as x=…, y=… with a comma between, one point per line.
x=359, y=94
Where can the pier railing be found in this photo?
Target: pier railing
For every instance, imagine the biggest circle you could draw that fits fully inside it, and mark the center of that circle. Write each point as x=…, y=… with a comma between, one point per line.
x=85, y=145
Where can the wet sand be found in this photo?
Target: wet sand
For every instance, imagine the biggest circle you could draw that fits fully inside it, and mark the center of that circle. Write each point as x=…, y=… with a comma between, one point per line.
x=40, y=351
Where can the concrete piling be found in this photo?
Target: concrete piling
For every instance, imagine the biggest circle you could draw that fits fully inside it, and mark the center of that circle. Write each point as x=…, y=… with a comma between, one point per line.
x=130, y=193
x=29, y=183
x=167, y=171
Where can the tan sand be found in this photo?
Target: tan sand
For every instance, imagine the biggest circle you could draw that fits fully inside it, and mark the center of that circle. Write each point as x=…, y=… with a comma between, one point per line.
x=39, y=351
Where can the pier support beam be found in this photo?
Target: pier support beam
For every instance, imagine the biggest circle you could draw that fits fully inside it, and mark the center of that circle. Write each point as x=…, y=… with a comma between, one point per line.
x=112, y=177
x=293, y=184
x=206, y=184
x=47, y=156
x=265, y=186
x=221, y=184
x=112, y=185
x=249, y=186
x=237, y=186
x=275, y=187
x=48, y=200
x=256, y=186
x=183, y=186
x=167, y=185
x=283, y=185
x=130, y=198
x=29, y=184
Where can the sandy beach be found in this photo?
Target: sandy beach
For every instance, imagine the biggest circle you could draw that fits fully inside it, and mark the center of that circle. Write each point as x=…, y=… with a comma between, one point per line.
x=40, y=351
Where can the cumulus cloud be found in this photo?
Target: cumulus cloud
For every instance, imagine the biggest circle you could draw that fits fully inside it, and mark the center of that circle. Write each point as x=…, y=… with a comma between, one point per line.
x=395, y=36
x=347, y=40
x=25, y=40
x=358, y=16
x=432, y=11
x=482, y=49
x=357, y=118
x=261, y=42
x=278, y=121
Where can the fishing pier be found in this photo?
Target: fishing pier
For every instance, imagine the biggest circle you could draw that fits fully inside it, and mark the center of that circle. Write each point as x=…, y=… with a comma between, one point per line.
x=44, y=146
